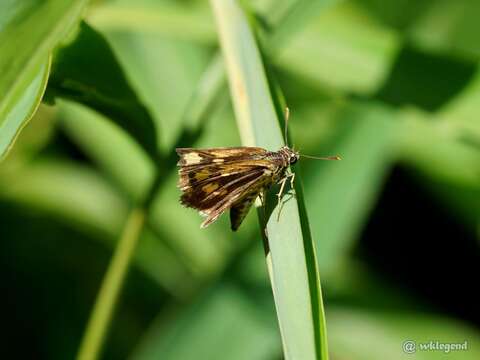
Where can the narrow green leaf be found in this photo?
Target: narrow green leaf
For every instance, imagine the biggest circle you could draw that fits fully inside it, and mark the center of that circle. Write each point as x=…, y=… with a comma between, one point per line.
x=112, y=284
x=23, y=108
x=29, y=30
x=291, y=257
x=88, y=72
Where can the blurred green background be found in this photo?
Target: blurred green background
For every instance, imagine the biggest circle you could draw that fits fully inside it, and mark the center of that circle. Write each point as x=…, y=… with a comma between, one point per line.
x=393, y=87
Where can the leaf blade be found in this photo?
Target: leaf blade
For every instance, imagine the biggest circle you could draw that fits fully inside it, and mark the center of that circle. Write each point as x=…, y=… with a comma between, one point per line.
x=87, y=71
x=291, y=258
x=22, y=109
x=36, y=27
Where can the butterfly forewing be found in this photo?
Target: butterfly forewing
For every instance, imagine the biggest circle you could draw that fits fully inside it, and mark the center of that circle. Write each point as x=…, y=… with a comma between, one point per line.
x=218, y=179
x=191, y=157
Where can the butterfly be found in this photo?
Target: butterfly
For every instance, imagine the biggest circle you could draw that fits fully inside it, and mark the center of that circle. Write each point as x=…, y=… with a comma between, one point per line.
x=215, y=180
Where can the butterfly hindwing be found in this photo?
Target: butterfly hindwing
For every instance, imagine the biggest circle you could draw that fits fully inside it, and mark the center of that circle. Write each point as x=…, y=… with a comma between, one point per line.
x=240, y=195
x=240, y=209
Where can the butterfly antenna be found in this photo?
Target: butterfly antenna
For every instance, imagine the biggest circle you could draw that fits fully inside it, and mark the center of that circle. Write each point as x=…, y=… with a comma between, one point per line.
x=287, y=115
x=336, y=157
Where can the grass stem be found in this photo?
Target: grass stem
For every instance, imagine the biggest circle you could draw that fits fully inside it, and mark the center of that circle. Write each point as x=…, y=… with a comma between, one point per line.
x=103, y=310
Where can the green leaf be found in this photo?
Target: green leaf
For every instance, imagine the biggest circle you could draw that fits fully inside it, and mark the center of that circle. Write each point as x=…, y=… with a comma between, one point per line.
x=444, y=147
x=366, y=133
x=291, y=256
x=87, y=71
x=439, y=27
x=29, y=30
x=68, y=191
x=291, y=16
x=342, y=48
x=109, y=147
x=23, y=108
x=459, y=117
x=363, y=335
x=224, y=320
x=190, y=23
x=438, y=148
x=181, y=64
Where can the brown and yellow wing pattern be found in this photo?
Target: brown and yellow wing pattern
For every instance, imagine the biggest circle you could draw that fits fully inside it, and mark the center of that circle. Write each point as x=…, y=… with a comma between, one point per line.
x=218, y=179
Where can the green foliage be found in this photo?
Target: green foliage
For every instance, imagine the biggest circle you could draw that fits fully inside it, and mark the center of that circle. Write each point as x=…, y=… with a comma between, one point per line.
x=38, y=27
x=22, y=108
x=392, y=87
x=86, y=71
x=334, y=198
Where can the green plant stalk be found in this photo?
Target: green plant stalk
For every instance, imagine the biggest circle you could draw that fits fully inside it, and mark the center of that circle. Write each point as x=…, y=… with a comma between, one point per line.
x=202, y=100
x=111, y=286
x=290, y=251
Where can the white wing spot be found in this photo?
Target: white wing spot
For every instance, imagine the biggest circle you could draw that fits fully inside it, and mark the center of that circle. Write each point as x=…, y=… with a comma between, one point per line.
x=192, y=158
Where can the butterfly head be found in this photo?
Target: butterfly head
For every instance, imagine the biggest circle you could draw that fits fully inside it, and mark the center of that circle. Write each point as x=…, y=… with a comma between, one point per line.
x=291, y=155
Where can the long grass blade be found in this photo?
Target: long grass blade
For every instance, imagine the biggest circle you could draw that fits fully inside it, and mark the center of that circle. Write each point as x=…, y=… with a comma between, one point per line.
x=291, y=257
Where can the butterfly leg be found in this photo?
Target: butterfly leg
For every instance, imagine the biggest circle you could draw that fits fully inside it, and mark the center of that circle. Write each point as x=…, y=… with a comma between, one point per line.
x=280, y=194
x=283, y=181
x=292, y=180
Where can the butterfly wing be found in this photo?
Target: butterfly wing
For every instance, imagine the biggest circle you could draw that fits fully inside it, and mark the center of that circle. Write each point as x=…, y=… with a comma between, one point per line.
x=240, y=209
x=240, y=197
x=195, y=157
x=214, y=180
